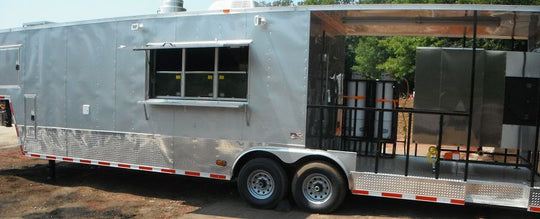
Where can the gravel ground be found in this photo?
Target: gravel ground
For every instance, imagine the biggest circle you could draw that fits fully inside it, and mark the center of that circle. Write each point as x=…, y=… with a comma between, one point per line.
x=82, y=191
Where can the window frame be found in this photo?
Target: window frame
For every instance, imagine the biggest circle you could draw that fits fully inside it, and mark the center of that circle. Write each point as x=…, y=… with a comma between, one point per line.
x=152, y=71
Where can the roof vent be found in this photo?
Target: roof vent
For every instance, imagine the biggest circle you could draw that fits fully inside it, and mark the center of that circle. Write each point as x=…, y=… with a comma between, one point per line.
x=171, y=6
x=231, y=4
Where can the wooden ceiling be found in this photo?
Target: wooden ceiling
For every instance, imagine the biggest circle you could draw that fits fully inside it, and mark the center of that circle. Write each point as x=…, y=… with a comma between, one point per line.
x=521, y=25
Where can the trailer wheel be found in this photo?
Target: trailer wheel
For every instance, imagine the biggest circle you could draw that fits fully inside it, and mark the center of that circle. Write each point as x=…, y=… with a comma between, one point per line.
x=318, y=187
x=262, y=183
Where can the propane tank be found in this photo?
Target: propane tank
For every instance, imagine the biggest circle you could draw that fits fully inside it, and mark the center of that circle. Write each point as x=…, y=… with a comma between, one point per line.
x=171, y=6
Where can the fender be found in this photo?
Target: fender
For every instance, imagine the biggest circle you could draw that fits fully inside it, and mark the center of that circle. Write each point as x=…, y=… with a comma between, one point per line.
x=346, y=160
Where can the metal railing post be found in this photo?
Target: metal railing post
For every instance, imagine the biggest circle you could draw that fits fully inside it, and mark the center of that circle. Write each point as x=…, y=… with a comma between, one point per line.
x=379, y=140
x=408, y=144
x=517, y=158
x=471, y=98
x=439, y=144
x=505, y=154
x=534, y=158
x=416, y=149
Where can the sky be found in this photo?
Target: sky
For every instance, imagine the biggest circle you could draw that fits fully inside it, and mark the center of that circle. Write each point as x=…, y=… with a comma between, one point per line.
x=13, y=13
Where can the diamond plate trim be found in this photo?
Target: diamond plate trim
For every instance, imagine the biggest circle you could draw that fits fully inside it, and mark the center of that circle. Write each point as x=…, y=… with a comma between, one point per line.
x=499, y=191
x=513, y=195
x=409, y=185
x=48, y=141
x=121, y=147
x=132, y=148
x=534, y=198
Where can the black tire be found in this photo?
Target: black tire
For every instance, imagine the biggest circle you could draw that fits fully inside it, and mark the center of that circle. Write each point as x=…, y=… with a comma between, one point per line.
x=318, y=187
x=276, y=188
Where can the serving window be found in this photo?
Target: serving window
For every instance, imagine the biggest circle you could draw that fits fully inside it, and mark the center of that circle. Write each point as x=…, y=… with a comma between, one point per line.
x=215, y=73
x=232, y=77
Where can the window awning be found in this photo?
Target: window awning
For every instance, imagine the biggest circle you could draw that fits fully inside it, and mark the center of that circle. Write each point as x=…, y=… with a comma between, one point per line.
x=195, y=44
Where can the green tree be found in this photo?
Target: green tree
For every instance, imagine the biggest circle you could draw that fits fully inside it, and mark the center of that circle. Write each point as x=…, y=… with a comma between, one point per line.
x=400, y=54
x=367, y=54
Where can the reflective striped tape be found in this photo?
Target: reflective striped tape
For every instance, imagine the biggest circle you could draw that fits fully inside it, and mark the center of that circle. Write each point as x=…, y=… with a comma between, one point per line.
x=534, y=209
x=104, y=163
x=410, y=197
x=391, y=195
x=191, y=173
x=124, y=166
x=130, y=166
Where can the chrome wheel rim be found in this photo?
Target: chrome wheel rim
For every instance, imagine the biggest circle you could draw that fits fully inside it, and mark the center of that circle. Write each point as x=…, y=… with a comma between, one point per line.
x=260, y=184
x=317, y=188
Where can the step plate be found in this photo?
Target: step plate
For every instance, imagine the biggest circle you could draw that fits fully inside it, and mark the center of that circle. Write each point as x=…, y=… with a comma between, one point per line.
x=445, y=190
x=407, y=185
x=503, y=194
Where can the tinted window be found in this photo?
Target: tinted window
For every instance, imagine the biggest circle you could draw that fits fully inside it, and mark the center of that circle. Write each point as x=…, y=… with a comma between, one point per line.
x=200, y=59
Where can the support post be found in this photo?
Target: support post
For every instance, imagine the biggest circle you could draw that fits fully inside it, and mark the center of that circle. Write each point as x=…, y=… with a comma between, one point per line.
x=513, y=40
x=471, y=98
x=534, y=159
x=534, y=34
x=52, y=169
x=518, y=152
x=416, y=149
x=439, y=145
x=408, y=144
x=464, y=40
x=379, y=141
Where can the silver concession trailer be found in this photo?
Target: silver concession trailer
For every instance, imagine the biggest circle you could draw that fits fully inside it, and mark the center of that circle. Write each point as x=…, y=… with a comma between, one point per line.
x=259, y=96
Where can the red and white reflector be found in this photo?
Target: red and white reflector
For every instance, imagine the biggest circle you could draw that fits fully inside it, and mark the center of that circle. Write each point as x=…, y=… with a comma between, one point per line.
x=130, y=166
x=534, y=209
x=409, y=197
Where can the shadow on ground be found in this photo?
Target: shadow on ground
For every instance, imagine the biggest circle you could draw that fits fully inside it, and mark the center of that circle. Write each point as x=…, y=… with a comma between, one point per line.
x=79, y=212
x=134, y=182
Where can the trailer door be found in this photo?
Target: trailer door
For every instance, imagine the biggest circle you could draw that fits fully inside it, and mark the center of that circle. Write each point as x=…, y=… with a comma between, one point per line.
x=9, y=64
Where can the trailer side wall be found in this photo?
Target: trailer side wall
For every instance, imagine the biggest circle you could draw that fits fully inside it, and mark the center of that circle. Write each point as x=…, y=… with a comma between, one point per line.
x=94, y=64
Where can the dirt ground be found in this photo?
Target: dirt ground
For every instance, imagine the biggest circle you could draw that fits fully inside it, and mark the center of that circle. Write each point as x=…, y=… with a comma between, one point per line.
x=82, y=191
x=86, y=191
x=7, y=137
